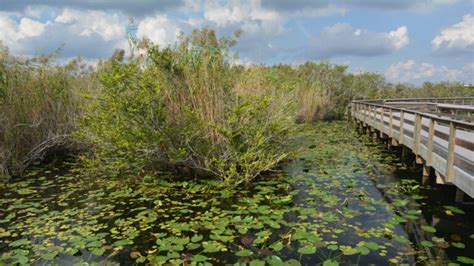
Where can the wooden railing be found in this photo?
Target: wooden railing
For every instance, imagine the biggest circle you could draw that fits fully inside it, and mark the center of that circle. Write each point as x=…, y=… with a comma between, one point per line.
x=439, y=141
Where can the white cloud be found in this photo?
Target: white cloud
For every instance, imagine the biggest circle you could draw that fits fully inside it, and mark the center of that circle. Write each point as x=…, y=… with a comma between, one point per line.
x=411, y=71
x=235, y=11
x=159, y=29
x=87, y=22
x=457, y=39
x=343, y=39
x=88, y=33
x=399, y=37
x=11, y=31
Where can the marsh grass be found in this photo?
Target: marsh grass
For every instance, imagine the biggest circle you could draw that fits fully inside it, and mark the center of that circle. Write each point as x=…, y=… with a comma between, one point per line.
x=39, y=107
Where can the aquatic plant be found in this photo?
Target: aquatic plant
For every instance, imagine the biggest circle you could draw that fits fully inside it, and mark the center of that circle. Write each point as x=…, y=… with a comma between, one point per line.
x=322, y=208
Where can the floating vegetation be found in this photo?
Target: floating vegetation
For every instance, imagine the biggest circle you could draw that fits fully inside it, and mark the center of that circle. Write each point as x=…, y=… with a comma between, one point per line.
x=333, y=204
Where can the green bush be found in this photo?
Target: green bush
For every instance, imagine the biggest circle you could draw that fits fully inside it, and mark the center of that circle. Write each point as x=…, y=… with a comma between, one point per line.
x=39, y=105
x=178, y=108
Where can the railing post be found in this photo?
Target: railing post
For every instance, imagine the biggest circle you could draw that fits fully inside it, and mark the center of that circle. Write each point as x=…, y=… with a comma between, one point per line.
x=391, y=123
x=401, y=127
x=450, y=159
x=417, y=134
x=365, y=115
x=382, y=121
x=371, y=115
x=429, y=160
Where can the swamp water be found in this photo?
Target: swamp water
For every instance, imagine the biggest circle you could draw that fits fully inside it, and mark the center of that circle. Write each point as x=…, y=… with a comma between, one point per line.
x=343, y=200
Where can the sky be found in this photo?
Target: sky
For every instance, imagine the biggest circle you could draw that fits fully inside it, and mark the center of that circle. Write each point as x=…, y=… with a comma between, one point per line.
x=408, y=41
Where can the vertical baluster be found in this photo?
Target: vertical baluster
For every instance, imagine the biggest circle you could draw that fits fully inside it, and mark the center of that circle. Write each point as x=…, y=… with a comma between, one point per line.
x=450, y=159
x=401, y=127
x=417, y=134
x=429, y=160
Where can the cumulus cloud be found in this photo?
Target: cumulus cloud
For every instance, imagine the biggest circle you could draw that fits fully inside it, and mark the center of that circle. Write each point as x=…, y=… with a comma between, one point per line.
x=13, y=31
x=91, y=34
x=411, y=71
x=457, y=39
x=260, y=27
x=343, y=39
x=88, y=33
x=223, y=13
x=109, y=26
x=159, y=29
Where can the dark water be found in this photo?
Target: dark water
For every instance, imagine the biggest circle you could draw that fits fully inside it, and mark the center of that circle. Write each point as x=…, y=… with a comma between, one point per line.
x=343, y=200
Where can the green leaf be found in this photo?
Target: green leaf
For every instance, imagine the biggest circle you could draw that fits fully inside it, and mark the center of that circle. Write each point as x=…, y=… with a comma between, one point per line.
x=199, y=258
x=121, y=243
x=210, y=247
x=192, y=246
x=307, y=250
x=428, y=228
x=330, y=262
x=292, y=262
x=363, y=250
x=454, y=209
x=426, y=244
x=274, y=261
x=159, y=259
x=458, y=245
x=49, y=256
x=244, y=253
x=196, y=238
x=401, y=239
x=141, y=259
x=333, y=247
x=465, y=260
x=372, y=245
x=348, y=250
x=19, y=242
x=257, y=263
x=173, y=255
x=277, y=246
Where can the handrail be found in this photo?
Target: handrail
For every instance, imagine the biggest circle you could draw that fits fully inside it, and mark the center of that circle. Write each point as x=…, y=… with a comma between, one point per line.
x=443, y=120
x=408, y=127
x=415, y=99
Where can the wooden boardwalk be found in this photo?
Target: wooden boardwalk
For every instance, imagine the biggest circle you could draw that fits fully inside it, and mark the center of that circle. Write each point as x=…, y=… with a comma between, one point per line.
x=440, y=132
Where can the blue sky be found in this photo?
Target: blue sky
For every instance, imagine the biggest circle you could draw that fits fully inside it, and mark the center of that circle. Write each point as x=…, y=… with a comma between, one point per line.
x=406, y=40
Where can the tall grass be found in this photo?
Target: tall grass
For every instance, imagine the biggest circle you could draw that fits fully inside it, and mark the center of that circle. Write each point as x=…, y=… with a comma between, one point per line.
x=39, y=107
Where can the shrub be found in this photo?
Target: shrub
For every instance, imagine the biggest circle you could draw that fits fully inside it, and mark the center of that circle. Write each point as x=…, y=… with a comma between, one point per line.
x=179, y=108
x=39, y=106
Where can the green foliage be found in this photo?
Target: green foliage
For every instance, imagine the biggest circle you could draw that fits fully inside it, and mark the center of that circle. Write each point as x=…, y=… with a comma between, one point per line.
x=179, y=108
x=39, y=105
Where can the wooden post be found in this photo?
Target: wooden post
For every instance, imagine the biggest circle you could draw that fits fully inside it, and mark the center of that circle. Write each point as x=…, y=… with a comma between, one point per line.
x=459, y=196
x=426, y=175
x=401, y=128
x=450, y=159
x=391, y=123
x=365, y=115
x=417, y=134
x=429, y=160
x=382, y=122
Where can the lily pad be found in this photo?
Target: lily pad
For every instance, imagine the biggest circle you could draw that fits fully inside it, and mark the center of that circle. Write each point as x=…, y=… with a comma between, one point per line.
x=330, y=262
x=307, y=250
x=428, y=228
